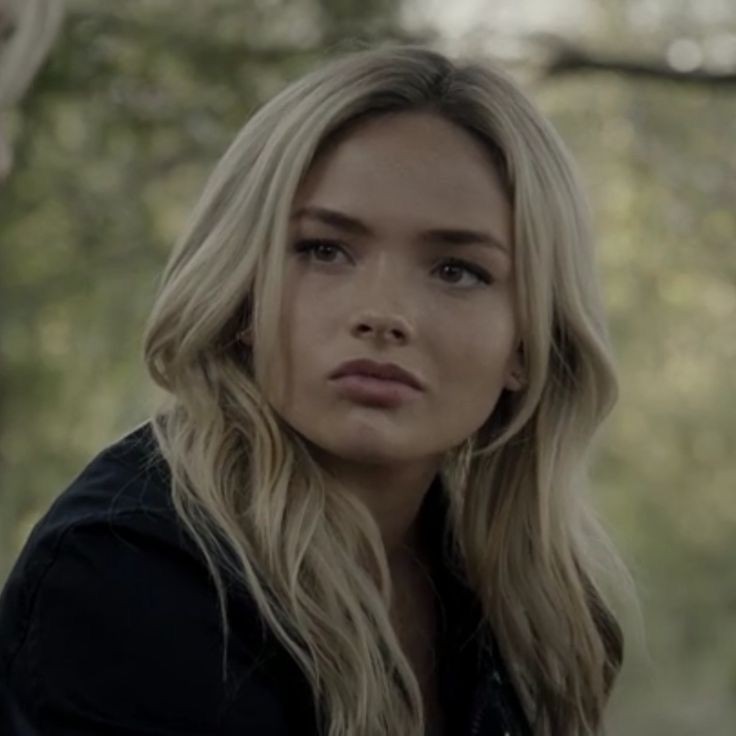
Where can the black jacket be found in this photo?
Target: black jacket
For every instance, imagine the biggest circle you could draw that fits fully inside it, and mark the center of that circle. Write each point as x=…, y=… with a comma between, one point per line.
x=109, y=625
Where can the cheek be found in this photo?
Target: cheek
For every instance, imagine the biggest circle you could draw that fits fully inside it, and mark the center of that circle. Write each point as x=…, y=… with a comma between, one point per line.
x=306, y=325
x=477, y=353
x=316, y=305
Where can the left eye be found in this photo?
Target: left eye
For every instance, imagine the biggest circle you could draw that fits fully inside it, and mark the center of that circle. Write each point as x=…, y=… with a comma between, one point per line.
x=323, y=251
x=453, y=267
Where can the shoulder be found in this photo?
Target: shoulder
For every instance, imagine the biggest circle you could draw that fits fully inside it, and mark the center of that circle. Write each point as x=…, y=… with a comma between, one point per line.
x=124, y=489
x=128, y=476
x=110, y=615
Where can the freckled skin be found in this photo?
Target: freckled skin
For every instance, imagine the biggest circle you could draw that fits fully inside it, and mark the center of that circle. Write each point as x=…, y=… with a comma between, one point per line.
x=386, y=297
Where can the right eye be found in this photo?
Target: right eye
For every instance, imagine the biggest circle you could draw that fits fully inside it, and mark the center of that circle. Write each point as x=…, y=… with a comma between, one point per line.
x=318, y=249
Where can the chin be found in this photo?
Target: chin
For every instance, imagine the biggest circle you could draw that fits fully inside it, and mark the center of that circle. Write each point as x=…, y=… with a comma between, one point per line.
x=356, y=440
x=367, y=453
x=361, y=447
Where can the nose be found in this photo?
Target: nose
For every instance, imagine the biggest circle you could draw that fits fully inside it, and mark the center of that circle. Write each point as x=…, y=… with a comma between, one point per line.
x=383, y=327
x=381, y=317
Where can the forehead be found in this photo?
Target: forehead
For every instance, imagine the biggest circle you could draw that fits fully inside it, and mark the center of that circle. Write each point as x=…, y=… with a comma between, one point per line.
x=410, y=167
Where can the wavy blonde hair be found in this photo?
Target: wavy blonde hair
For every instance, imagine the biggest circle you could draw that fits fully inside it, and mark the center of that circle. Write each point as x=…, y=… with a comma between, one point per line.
x=260, y=506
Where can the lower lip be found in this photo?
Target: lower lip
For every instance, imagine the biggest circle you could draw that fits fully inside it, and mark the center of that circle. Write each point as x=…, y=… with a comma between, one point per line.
x=377, y=391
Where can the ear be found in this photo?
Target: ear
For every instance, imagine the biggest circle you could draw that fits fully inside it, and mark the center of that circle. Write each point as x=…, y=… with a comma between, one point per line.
x=515, y=372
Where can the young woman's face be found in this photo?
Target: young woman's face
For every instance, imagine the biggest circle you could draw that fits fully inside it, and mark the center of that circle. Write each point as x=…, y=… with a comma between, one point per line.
x=400, y=252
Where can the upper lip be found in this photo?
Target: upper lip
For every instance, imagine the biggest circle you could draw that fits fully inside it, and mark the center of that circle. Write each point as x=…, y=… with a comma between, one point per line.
x=387, y=371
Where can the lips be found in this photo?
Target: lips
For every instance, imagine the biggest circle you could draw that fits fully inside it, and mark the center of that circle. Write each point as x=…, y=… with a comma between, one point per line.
x=385, y=371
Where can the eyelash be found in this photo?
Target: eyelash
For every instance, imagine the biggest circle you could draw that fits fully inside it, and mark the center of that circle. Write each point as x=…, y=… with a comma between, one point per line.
x=307, y=247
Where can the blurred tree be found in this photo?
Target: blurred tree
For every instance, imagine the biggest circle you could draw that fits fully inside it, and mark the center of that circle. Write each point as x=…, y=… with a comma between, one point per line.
x=27, y=31
x=569, y=59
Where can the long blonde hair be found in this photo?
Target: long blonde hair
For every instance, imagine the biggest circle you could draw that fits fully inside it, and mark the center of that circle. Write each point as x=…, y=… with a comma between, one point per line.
x=262, y=509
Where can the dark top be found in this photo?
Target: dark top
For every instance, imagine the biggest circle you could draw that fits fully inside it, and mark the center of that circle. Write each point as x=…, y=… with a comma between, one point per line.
x=12, y=720
x=109, y=625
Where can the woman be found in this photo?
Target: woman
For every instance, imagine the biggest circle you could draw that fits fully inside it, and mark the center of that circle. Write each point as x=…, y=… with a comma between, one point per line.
x=359, y=510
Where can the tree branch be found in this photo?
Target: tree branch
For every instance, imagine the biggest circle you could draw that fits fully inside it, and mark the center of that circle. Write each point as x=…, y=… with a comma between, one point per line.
x=566, y=59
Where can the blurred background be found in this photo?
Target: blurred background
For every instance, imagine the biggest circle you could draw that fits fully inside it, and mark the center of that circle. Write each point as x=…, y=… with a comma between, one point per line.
x=112, y=115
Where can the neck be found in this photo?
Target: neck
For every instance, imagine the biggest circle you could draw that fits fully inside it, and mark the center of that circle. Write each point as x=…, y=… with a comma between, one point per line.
x=394, y=496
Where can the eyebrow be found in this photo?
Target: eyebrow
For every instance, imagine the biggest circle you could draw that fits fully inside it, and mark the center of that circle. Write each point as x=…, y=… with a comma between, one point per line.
x=443, y=236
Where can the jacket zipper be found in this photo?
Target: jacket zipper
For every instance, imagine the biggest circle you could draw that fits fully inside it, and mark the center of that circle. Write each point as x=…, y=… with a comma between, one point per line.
x=479, y=713
x=482, y=705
